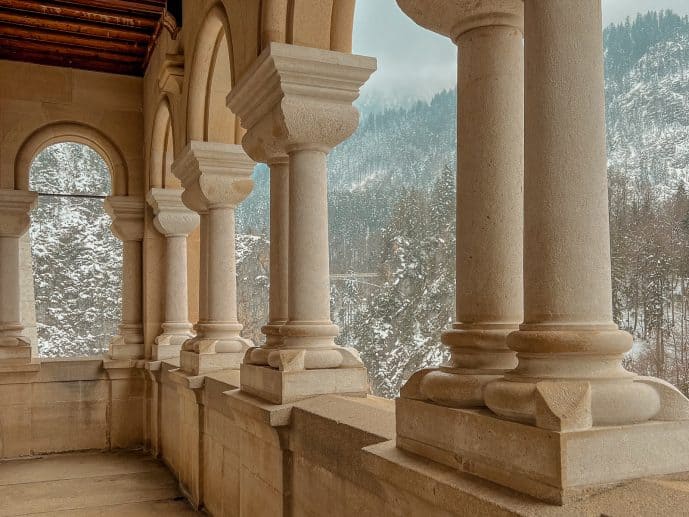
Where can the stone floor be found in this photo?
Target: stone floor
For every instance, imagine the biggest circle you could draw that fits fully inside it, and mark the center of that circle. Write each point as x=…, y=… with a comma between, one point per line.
x=90, y=483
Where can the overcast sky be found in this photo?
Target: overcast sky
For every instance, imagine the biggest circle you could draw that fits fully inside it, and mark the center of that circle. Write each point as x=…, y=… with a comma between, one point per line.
x=415, y=62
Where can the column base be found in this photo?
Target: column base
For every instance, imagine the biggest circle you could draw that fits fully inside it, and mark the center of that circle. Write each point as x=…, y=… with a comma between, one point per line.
x=169, y=346
x=14, y=350
x=282, y=387
x=554, y=466
x=120, y=349
x=196, y=363
x=449, y=387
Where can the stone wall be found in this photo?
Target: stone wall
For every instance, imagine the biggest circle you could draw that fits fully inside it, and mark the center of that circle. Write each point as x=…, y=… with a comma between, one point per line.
x=69, y=405
x=35, y=96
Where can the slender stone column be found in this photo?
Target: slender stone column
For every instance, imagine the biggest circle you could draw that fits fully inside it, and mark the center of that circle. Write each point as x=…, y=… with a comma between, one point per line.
x=216, y=177
x=490, y=151
x=175, y=222
x=127, y=215
x=279, y=260
x=15, y=207
x=303, y=114
x=568, y=336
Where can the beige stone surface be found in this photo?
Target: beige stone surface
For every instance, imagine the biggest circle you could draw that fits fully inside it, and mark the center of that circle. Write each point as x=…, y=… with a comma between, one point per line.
x=89, y=484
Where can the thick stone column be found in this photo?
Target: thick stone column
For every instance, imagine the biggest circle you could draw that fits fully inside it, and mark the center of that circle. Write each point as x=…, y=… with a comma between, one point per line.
x=569, y=419
x=301, y=99
x=15, y=207
x=568, y=338
x=490, y=151
x=175, y=222
x=216, y=177
x=127, y=215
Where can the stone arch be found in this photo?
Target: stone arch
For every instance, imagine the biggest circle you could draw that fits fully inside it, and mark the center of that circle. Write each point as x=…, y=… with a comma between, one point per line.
x=59, y=132
x=325, y=24
x=162, y=151
x=210, y=79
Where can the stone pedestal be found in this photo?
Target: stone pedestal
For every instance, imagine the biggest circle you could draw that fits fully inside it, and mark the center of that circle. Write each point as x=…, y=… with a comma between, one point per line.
x=490, y=168
x=175, y=222
x=298, y=102
x=569, y=419
x=127, y=215
x=15, y=207
x=216, y=178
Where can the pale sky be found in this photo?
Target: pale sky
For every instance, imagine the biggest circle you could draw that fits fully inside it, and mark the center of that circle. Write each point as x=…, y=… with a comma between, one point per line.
x=414, y=62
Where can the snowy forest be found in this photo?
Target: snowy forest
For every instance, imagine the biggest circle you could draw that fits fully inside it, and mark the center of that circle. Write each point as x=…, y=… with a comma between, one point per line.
x=77, y=261
x=392, y=211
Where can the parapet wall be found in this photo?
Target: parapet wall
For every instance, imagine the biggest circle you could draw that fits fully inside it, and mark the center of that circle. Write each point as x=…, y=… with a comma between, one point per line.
x=62, y=405
x=235, y=455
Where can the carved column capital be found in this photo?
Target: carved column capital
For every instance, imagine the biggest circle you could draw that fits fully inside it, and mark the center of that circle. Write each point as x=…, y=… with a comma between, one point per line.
x=298, y=98
x=452, y=18
x=172, y=218
x=15, y=208
x=127, y=216
x=214, y=174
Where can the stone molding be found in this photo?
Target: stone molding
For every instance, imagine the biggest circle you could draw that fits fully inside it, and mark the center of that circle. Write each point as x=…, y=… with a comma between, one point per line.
x=127, y=216
x=15, y=209
x=214, y=174
x=172, y=217
x=171, y=78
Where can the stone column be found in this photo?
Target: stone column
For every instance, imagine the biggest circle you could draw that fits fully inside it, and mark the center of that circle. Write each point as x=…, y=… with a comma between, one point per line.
x=568, y=336
x=15, y=207
x=305, y=113
x=568, y=420
x=175, y=222
x=490, y=168
x=217, y=177
x=279, y=258
x=127, y=215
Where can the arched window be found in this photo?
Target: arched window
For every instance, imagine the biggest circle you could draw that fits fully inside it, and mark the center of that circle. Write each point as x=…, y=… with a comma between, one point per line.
x=77, y=261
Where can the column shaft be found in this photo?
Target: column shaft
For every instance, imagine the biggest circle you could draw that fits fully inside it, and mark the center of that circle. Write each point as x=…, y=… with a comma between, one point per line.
x=222, y=272
x=309, y=260
x=132, y=298
x=176, y=301
x=567, y=258
x=490, y=139
x=203, y=267
x=10, y=317
x=279, y=242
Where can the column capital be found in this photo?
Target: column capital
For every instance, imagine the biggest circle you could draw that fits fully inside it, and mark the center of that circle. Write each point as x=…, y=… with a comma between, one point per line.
x=296, y=97
x=452, y=18
x=127, y=216
x=214, y=174
x=172, y=218
x=15, y=207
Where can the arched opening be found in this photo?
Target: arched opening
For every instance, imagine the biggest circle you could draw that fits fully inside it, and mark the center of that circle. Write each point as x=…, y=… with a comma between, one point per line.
x=208, y=117
x=77, y=261
x=162, y=149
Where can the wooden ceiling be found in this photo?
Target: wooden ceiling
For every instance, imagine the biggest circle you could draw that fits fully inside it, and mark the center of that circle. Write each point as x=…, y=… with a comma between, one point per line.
x=113, y=36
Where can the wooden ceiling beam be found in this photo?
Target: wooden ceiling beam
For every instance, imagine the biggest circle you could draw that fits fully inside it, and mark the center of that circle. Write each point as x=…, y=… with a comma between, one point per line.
x=90, y=15
x=59, y=38
x=127, y=6
x=90, y=29
x=67, y=51
x=42, y=58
